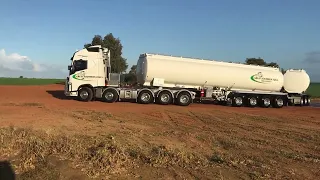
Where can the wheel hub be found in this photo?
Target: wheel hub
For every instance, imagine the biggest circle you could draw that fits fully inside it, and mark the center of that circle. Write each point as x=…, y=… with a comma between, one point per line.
x=109, y=95
x=184, y=99
x=253, y=101
x=145, y=97
x=279, y=102
x=238, y=101
x=266, y=102
x=84, y=94
x=165, y=98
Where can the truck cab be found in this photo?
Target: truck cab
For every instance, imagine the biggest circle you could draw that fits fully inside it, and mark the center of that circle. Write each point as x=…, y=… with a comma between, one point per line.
x=90, y=67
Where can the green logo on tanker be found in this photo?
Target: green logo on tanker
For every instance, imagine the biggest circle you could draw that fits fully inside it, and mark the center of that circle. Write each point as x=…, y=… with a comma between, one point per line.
x=260, y=79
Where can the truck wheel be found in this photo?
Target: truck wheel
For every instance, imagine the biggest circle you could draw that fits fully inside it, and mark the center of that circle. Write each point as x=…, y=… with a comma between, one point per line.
x=302, y=101
x=164, y=98
x=237, y=101
x=110, y=96
x=184, y=99
x=278, y=102
x=85, y=94
x=265, y=102
x=306, y=101
x=252, y=101
x=145, y=97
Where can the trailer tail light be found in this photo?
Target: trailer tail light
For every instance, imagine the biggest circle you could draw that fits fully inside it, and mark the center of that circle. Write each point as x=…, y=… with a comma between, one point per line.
x=202, y=93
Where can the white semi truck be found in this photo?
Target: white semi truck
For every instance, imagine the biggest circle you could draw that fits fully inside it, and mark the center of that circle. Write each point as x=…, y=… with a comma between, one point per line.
x=166, y=79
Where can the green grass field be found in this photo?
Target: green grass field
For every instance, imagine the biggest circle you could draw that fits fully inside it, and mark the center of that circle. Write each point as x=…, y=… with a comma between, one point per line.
x=29, y=81
x=314, y=90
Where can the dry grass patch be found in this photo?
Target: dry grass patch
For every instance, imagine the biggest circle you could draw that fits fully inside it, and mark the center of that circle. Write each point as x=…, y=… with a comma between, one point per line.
x=96, y=156
x=94, y=116
x=26, y=104
x=206, y=145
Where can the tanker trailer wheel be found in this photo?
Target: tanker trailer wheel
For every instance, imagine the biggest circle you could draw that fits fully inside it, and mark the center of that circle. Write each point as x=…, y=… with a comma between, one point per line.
x=301, y=101
x=306, y=101
x=164, y=98
x=278, y=102
x=184, y=99
x=252, y=101
x=85, y=94
x=265, y=101
x=237, y=100
x=145, y=97
x=110, y=96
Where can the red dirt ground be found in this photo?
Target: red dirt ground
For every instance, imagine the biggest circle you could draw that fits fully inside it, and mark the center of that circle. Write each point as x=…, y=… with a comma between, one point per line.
x=52, y=97
x=256, y=135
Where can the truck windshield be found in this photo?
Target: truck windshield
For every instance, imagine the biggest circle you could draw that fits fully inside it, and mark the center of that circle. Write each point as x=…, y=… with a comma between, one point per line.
x=78, y=65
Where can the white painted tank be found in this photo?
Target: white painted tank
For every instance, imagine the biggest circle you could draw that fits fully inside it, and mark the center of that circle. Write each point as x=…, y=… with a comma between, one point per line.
x=194, y=73
x=296, y=81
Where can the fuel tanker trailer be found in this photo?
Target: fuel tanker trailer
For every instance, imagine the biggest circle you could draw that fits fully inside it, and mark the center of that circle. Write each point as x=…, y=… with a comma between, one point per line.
x=165, y=79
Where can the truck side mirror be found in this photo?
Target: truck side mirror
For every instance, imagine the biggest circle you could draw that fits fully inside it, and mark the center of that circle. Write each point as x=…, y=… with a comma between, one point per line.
x=69, y=67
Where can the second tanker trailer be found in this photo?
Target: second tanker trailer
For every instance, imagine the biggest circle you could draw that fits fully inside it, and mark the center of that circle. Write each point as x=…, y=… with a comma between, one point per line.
x=176, y=80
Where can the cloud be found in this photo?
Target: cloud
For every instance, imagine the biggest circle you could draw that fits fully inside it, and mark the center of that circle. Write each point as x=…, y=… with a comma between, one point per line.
x=15, y=65
x=312, y=57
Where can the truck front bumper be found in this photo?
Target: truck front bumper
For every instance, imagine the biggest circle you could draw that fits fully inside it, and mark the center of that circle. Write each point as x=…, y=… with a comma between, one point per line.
x=69, y=93
x=67, y=86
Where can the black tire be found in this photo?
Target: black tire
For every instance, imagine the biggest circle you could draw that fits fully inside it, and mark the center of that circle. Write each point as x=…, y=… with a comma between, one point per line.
x=164, y=98
x=302, y=101
x=306, y=101
x=110, y=96
x=265, y=101
x=237, y=100
x=145, y=97
x=278, y=102
x=252, y=101
x=85, y=94
x=183, y=99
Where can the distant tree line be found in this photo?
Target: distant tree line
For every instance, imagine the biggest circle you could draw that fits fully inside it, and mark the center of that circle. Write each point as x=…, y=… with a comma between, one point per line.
x=259, y=61
x=119, y=64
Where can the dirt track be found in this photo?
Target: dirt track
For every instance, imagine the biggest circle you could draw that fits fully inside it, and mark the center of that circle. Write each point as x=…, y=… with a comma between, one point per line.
x=14, y=99
x=263, y=139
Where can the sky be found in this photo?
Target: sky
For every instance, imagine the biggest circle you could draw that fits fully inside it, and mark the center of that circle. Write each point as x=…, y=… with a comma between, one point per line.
x=37, y=38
